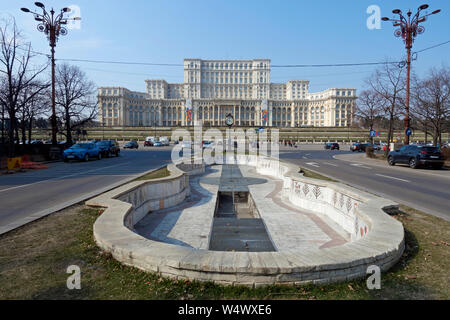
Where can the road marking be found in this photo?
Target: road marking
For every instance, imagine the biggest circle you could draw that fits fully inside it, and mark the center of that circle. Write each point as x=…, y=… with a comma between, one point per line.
x=70, y=175
x=305, y=158
x=359, y=165
x=382, y=175
x=331, y=164
x=314, y=164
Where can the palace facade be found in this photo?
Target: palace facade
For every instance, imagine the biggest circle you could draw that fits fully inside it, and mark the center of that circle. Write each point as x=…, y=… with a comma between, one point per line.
x=214, y=88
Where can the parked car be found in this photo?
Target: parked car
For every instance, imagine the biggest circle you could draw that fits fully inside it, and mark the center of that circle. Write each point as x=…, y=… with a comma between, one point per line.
x=207, y=144
x=331, y=146
x=131, y=145
x=376, y=146
x=158, y=144
x=82, y=151
x=164, y=141
x=108, y=148
x=185, y=144
x=416, y=156
x=360, y=147
x=148, y=143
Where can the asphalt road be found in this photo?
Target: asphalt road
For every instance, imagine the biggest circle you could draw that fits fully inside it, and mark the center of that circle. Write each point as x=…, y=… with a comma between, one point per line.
x=27, y=196
x=30, y=195
x=427, y=190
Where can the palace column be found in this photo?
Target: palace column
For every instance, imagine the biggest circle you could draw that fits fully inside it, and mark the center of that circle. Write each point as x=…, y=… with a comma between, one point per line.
x=270, y=112
x=292, y=115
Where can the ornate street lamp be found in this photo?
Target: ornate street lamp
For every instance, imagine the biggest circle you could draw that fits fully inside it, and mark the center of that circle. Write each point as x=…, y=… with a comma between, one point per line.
x=52, y=26
x=409, y=29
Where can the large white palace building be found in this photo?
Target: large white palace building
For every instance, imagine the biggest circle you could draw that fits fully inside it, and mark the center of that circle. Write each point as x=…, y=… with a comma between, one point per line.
x=214, y=88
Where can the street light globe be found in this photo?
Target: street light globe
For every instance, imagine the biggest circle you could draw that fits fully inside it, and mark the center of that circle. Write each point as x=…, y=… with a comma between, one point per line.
x=39, y=4
x=436, y=11
x=25, y=9
x=396, y=11
x=423, y=7
x=385, y=19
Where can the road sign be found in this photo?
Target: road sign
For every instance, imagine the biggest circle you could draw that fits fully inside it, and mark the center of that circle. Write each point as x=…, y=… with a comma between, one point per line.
x=378, y=133
x=14, y=163
x=408, y=132
x=373, y=133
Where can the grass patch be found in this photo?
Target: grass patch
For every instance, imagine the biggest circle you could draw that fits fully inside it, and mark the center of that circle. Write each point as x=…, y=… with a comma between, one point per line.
x=312, y=174
x=35, y=257
x=160, y=173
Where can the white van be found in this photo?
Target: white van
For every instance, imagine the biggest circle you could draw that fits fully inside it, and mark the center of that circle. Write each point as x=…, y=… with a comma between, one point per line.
x=164, y=141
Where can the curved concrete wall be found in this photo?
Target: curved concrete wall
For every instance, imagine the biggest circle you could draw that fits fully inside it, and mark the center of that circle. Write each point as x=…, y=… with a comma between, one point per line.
x=380, y=243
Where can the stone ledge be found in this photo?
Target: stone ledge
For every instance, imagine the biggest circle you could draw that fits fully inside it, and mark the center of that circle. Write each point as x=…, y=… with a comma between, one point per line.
x=382, y=246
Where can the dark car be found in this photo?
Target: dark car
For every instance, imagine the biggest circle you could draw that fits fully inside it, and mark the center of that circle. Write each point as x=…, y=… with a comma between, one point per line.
x=148, y=143
x=360, y=147
x=332, y=146
x=131, y=145
x=108, y=148
x=416, y=156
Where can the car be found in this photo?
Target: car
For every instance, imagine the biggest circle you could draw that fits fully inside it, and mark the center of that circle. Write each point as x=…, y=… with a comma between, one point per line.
x=331, y=146
x=207, y=144
x=158, y=144
x=376, y=146
x=36, y=142
x=148, y=143
x=108, y=148
x=164, y=141
x=360, y=147
x=131, y=145
x=416, y=156
x=185, y=144
x=82, y=151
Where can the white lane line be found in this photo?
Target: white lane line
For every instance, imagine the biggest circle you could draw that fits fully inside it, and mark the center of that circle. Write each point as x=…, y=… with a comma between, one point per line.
x=359, y=165
x=70, y=175
x=382, y=175
x=314, y=164
x=305, y=158
x=331, y=164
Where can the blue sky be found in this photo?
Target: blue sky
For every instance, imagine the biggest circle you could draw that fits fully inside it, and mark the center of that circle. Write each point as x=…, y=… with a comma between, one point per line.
x=287, y=32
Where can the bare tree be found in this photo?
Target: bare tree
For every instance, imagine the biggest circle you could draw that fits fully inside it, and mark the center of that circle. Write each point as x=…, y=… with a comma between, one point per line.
x=75, y=99
x=432, y=101
x=17, y=75
x=32, y=107
x=369, y=108
x=389, y=83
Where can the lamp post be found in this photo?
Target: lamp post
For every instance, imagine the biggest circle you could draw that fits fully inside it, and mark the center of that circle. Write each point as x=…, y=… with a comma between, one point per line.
x=409, y=29
x=52, y=26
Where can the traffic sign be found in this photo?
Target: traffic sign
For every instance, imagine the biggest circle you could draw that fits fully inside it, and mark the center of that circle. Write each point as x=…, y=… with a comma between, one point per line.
x=373, y=133
x=378, y=133
x=408, y=132
x=14, y=163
